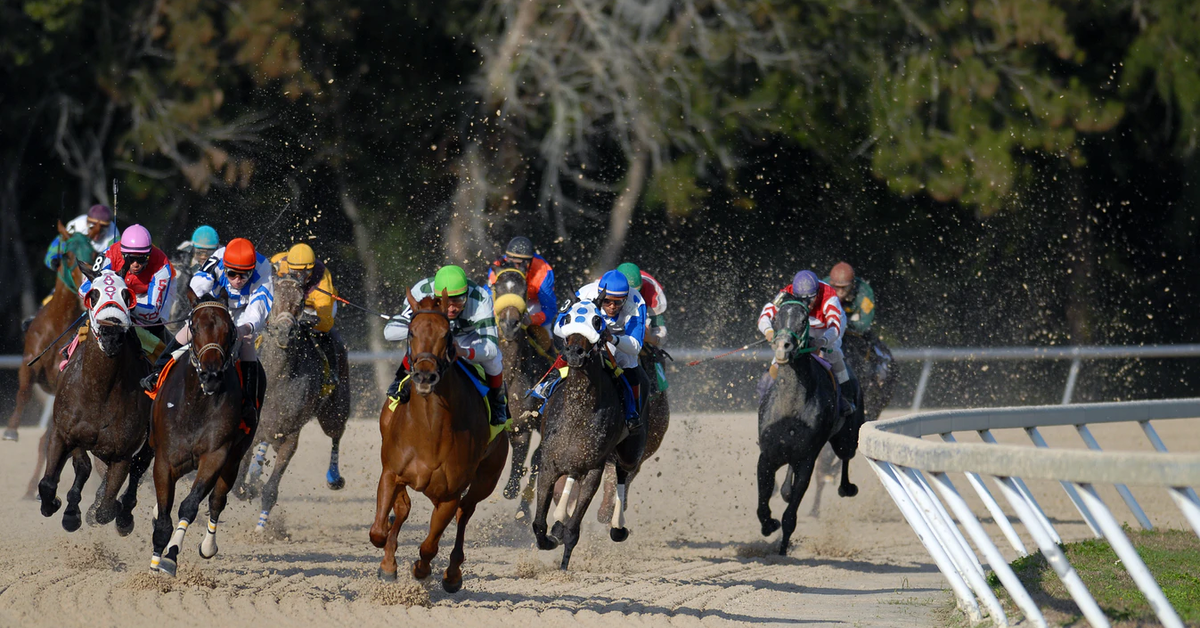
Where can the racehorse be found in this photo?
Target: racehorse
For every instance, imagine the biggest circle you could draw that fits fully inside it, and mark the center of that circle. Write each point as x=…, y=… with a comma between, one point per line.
x=297, y=391
x=871, y=360
x=50, y=321
x=657, y=415
x=101, y=409
x=582, y=429
x=520, y=368
x=796, y=416
x=199, y=424
x=438, y=443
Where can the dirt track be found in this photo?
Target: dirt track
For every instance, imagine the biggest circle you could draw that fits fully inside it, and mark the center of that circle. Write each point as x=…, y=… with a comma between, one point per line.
x=694, y=555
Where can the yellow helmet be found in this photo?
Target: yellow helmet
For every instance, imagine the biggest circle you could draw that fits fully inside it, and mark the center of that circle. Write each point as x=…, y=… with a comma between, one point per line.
x=301, y=257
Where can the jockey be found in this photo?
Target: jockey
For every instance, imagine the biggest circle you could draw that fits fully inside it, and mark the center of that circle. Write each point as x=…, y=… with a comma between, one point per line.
x=244, y=277
x=193, y=253
x=473, y=326
x=856, y=295
x=624, y=313
x=827, y=322
x=539, y=281
x=148, y=274
x=319, y=306
x=97, y=223
x=656, y=301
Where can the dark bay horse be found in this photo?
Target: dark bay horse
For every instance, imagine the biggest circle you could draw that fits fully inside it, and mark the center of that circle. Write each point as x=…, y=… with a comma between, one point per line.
x=438, y=443
x=199, y=424
x=296, y=376
x=583, y=428
x=656, y=417
x=101, y=409
x=50, y=321
x=522, y=365
x=871, y=360
x=796, y=417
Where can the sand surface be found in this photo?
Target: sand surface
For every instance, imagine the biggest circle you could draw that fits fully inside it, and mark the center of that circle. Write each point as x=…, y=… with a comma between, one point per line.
x=694, y=556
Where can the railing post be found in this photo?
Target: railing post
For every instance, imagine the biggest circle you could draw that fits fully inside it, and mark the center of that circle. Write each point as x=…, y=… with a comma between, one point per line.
x=1036, y=437
x=921, y=383
x=1027, y=495
x=1123, y=490
x=1185, y=499
x=989, y=502
x=1152, y=434
x=1072, y=375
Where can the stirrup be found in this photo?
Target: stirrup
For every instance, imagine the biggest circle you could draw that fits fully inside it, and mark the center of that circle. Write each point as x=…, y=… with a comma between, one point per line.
x=634, y=425
x=150, y=382
x=400, y=390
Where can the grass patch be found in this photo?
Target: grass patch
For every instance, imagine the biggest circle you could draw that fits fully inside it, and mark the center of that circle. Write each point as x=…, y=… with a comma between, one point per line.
x=1172, y=556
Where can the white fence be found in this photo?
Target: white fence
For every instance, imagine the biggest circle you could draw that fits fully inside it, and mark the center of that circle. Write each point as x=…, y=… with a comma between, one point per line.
x=896, y=452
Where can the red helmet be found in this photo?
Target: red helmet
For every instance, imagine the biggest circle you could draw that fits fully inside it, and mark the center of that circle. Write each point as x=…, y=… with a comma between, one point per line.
x=841, y=275
x=240, y=255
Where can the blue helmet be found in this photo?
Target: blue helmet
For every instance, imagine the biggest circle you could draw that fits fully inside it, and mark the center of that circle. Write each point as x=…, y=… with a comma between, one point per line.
x=804, y=285
x=205, y=237
x=614, y=284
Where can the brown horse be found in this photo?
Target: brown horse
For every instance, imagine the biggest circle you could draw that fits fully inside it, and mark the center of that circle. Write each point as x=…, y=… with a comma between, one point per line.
x=437, y=443
x=199, y=424
x=582, y=429
x=521, y=367
x=101, y=409
x=657, y=419
x=50, y=321
x=297, y=375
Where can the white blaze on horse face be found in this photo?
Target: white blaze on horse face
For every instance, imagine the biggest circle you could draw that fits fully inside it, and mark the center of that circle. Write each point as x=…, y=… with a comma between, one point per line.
x=560, y=511
x=618, y=518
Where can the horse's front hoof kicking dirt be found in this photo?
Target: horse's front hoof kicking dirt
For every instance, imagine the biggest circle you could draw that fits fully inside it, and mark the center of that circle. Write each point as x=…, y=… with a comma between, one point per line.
x=338, y=484
x=769, y=527
x=72, y=521
x=419, y=571
x=49, y=508
x=167, y=566
x=385, y=576
x=618, y=534
x=557, y=532
x=849, y=490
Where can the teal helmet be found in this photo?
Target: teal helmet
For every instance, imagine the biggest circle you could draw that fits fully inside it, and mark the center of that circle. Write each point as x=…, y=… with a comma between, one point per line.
x=205, y=237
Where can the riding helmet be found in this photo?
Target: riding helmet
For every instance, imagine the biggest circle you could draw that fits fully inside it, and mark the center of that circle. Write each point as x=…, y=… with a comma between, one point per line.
x=804, y=284
x=100, y=213
x=450, y=281
x=614, y=284
x=632, y=273
x=135, y=241
x=519, y=247
x=240, y=255
x=301, y=257
x=205, y=238
x=841, y=275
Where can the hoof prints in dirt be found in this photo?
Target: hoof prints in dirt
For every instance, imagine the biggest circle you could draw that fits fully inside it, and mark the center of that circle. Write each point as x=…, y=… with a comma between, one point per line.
x=402, y=593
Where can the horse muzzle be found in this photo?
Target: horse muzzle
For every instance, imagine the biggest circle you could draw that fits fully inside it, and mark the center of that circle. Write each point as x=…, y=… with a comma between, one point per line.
x=575, y=356
x=424, y=381
x=784, y=348
x=210, y=382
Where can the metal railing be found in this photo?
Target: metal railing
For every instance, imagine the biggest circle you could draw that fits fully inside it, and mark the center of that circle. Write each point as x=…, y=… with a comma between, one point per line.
x=900, y=457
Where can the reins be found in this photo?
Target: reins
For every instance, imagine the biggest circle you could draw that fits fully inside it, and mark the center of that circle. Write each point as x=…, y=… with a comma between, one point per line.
x=226, y=354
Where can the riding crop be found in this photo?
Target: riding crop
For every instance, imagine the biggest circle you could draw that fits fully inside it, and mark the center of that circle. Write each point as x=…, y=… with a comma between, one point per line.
x=367, y=310
x=715, y=357
x=69, y=328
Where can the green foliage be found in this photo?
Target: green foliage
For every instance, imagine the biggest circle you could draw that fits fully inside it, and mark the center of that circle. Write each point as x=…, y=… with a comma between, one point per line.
x=1166, y=52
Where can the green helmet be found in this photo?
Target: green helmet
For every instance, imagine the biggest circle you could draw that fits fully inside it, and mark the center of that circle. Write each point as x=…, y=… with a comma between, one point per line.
x=451, y=279
x=632, y=273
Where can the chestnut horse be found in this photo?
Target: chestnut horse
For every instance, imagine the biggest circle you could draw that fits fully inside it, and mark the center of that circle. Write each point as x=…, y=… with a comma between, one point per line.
x=101, y=409
x=50, y=321
x=199, y=424
x=437, y=443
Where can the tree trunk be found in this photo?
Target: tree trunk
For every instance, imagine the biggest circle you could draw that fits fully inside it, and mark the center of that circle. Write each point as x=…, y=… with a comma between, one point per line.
x=371, y=281
x=622, y=211
x=10, y=230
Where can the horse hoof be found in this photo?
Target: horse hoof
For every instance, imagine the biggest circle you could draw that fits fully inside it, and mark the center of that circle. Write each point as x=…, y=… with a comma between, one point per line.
x=72, y=522
x=208, y=556
x=336, y=485
x=11, y=435
x=511, y=490
x=618, y=534
x=849, y=490
x=50, y=508
x=546, y=543
x=769, y=527
x=419, y=572
x=557, y=532
x=124, y=528
x=167, y=566
x=385, y=576
x=451, y=587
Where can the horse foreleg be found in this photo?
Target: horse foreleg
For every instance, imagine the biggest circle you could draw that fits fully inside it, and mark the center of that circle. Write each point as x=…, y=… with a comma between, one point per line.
x=206, y=476
x=137, y=469
x=56, y=458
x=587, y=490
x=528, y=496
x=487, y=476
x=617, y=530
x=802, y=476
x=24, y=390
x=766, y=486
x=225, y=480
x=846, y=488
x=519, y=439
x=164, y=493
x=106, y=503
x=546, y=479
x=333, y=423
x=443, y=513
x=83, y=470
x=385, y=496
x=401, y=506
x=270, y=490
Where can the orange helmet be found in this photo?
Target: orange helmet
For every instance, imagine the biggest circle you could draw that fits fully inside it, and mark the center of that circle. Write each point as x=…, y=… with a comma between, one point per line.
x=240, y=255
x=842, y=275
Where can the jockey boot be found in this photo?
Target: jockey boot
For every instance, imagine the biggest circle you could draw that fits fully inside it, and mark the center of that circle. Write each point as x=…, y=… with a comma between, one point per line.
x=253, y=387
x=498, y=400
x=150, y=382
x=401, y=388
x=633, y=422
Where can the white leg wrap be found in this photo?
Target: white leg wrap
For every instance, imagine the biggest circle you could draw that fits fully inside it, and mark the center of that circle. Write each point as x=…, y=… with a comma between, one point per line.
x=208, y=547
x=618, y=518
x=154, y=560
x=262, y=521
x=560, y=512
x=260, y=454
x=177, y=538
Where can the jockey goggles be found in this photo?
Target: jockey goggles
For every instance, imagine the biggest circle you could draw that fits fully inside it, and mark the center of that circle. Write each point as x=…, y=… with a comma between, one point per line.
x=138, y=258
x=236, y=274
x=619, y=302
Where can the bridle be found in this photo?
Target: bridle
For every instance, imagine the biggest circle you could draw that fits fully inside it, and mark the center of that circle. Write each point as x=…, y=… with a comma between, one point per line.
x=227, y=354
x=801, y=337
x=280, y=313
x=441, y=362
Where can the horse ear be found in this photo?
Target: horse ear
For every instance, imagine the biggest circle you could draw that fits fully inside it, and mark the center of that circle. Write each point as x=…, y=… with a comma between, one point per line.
x=88, y=271
x=412, y=303
x=62, y=231
x=130, y=300
x=192, y=298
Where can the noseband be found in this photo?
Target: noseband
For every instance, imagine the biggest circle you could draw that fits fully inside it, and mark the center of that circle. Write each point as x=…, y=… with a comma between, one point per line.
x=227, y=354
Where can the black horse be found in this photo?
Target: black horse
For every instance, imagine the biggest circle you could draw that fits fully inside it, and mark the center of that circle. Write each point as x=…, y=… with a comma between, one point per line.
x=582, y=429
x=796, y=417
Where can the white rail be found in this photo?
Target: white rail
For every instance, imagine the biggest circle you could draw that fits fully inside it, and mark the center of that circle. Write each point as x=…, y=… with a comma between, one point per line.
x=900, y=457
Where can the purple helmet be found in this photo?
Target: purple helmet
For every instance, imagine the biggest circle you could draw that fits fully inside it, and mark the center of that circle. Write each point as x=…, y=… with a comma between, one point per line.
x=100, y=213
x=135, y=241
x=804, y=285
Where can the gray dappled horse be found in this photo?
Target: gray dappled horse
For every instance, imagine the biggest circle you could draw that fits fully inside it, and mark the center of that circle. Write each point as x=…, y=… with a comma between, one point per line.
x=296, y=375
x=656, y=417
x=796, y=417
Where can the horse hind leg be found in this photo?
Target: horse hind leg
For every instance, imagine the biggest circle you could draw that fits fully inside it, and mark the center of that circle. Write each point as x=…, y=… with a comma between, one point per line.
x=137, y=469
x=529, y=495
x=39, y=467
x=486, y=478
x=803, y=475
x=587, y=490
x=519, y=439
x=24, y=390
x=617, y=530
x=56, y=458
x=249, y=483
x=270, y=490
x=106, y=507
x=72, y=518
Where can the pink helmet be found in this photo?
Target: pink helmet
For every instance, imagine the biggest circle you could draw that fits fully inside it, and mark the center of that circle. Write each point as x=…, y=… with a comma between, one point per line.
x=135, y=240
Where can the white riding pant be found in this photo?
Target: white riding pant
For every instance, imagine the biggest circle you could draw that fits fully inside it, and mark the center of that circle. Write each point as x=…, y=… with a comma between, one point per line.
x=832, y=351
x=246, y=353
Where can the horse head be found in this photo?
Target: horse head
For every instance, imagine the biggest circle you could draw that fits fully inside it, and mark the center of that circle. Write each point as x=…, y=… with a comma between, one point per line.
x=509, y=301
x=580, y=326
x=289, y=303
x=77, y=253
x=791, y=331
x=215, y=333
x=108, y=304
x=430, y=344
